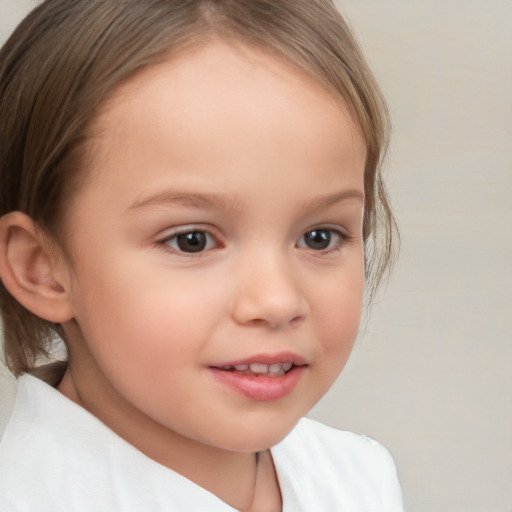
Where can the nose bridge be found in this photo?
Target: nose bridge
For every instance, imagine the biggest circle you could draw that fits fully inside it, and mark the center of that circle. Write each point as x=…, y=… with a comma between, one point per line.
x=268, y=290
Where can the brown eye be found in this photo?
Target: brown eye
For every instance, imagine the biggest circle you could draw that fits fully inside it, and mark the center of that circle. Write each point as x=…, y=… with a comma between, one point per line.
x=318, y=239
x=321, y=239
x=191, y=241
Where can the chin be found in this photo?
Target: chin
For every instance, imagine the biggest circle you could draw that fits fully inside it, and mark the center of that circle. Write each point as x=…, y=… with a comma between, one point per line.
x=257, y=436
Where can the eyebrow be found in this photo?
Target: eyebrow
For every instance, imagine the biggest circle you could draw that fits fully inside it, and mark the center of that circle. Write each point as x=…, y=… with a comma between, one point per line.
x=199, y=200
x=331, y=199
x=187, y=200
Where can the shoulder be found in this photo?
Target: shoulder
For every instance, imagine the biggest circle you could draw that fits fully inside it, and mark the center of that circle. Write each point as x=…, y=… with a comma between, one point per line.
x=338, y=445
x=351, y=469
x=56, y=456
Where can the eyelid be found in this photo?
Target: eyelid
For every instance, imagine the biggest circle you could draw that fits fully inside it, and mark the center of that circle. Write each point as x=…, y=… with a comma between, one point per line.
x=170, y=234
x=342, y=234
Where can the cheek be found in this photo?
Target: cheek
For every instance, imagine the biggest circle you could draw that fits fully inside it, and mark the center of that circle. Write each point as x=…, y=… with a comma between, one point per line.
x=143, y=319
x=340, y=307
x=336, y=321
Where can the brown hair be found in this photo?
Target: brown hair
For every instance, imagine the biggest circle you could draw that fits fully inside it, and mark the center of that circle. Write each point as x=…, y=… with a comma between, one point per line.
x=67, y=56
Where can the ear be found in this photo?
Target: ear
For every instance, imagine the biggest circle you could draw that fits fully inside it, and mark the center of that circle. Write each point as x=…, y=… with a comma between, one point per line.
x=30, y=271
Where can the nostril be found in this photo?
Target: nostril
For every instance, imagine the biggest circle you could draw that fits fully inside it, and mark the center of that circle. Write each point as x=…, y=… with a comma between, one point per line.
x=297, y=320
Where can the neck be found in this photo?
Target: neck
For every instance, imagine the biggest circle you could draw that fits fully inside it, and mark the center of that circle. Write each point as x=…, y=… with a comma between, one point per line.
x=238, y=478
x=229, y=475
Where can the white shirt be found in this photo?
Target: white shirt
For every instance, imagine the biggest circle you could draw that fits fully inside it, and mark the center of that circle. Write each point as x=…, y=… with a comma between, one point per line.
x=57, y=457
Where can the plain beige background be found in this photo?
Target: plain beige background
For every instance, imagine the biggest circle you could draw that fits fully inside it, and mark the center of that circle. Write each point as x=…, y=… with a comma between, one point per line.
x=432, y=376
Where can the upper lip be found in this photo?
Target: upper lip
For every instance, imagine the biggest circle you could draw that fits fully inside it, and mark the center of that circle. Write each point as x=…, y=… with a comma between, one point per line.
x=281, y=357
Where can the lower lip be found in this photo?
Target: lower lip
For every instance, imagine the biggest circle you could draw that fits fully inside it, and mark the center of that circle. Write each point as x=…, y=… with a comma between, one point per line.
x=259, y=387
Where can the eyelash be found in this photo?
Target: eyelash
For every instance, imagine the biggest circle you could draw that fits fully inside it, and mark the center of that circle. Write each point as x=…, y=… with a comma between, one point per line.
x=165, y=243
x=340, y=239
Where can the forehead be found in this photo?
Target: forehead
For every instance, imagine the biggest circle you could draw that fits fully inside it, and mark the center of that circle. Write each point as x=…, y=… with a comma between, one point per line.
x=217, y=81
x=224, y=62
x=223, y=106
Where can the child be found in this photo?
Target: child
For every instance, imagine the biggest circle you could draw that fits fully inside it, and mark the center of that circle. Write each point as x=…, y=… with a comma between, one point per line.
x=190, y=199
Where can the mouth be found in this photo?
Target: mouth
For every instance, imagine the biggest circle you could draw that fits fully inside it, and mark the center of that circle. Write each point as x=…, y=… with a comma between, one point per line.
x=263, y=365
x=262, y=378
x=259, y=369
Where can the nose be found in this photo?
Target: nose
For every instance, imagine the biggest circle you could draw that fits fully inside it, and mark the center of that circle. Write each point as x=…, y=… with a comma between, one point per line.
x=268, y=293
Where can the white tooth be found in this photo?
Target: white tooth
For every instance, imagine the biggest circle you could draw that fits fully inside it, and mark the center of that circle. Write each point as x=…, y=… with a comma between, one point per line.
x=279, y=373
x=274, y=368
x=287, y=366
x=227, y=367
x=241, y=367
x=259, y=368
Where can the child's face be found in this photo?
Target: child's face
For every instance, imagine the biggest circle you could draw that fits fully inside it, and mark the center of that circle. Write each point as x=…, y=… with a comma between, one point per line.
x=219, y=226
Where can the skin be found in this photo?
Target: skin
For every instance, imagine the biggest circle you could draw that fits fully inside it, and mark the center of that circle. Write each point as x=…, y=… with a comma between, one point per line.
x=272, y=156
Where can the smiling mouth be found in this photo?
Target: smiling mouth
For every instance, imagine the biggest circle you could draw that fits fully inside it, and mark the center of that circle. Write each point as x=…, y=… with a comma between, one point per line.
x=259, y=369
x=263, y=377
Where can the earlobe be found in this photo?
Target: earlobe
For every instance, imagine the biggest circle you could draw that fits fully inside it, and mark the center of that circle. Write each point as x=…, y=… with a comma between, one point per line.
x=28, y=269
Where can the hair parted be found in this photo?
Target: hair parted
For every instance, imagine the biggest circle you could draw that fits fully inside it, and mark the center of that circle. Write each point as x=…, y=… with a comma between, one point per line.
x=68, y=56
